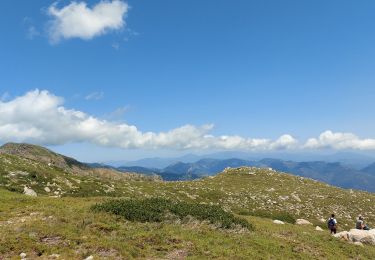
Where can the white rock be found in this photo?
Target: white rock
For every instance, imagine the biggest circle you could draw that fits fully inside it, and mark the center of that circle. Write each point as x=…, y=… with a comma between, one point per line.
x=89, y=257
x=47, y=189
x=29, y=192
x=301, y=221
x=358, y=244
x=317, y=228
x=279, y=222
x=23, y=255
x=364, y=236
x=357, y=235
x=342, y=235
x=283, y=197
x=296, y=197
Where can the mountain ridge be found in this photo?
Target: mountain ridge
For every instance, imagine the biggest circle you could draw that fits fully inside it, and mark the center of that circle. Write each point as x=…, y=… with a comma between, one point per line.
x=334, y=173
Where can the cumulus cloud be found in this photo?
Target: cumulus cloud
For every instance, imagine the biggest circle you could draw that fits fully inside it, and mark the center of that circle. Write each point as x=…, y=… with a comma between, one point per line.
x=77, y=20
x=340, y=141
x=40, y=117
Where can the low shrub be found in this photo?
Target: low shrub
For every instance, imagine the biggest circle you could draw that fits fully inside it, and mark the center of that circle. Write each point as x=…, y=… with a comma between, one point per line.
x=157, y=209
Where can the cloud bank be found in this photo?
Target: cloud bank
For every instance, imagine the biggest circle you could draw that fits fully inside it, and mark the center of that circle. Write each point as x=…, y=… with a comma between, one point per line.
x=77, y=20
x=340, y=141
x=40, y=117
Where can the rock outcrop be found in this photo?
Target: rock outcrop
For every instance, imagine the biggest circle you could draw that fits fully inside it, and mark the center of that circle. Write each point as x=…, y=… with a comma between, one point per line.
x=357, y=235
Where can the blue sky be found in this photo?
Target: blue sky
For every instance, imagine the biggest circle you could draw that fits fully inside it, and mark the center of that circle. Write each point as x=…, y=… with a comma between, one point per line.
x=253, y=69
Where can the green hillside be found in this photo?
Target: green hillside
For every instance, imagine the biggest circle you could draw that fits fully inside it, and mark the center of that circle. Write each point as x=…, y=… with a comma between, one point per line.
x=61, y=219
x=51, y=174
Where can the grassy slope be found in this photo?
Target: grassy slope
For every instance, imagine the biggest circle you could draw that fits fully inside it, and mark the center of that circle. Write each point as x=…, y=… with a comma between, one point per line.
x=17, y=172
x=74, y=231
x=67, y=227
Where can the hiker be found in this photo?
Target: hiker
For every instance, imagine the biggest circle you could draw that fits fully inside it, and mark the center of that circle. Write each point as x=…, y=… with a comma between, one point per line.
x=332, y=224
x=361, y=224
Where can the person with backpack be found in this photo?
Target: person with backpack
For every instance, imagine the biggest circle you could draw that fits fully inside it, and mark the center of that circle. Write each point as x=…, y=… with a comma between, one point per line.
x=361, y=224
x=332, y=224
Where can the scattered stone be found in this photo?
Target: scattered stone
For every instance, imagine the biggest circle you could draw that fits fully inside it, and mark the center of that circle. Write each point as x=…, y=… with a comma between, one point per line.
x=29, y=192
x=177, y=254
x=296, y=197
x=23, y=255
x=47, y=189
x=317, y=228
x=22, y=173
x=279, y=222
x=358, y=244
x=301, y=221
x=89, y=257
x=54, y=256
x=52, y=240
x=283, y=198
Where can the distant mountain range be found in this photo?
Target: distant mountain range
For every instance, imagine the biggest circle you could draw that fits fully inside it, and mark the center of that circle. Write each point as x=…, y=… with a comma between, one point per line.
x=334, y=173
x=352, y=159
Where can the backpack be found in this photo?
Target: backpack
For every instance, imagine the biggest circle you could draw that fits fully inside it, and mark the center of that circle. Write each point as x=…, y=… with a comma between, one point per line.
x=331, y=222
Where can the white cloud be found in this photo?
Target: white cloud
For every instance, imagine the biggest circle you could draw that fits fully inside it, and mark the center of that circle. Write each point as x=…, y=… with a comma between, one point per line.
x=39, y=117
x=95, y=96
x=285, y=142
x=340, y=141
x=77, y=20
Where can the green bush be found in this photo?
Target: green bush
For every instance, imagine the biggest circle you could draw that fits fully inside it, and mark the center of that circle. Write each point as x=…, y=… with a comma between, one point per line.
x=156, y=209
